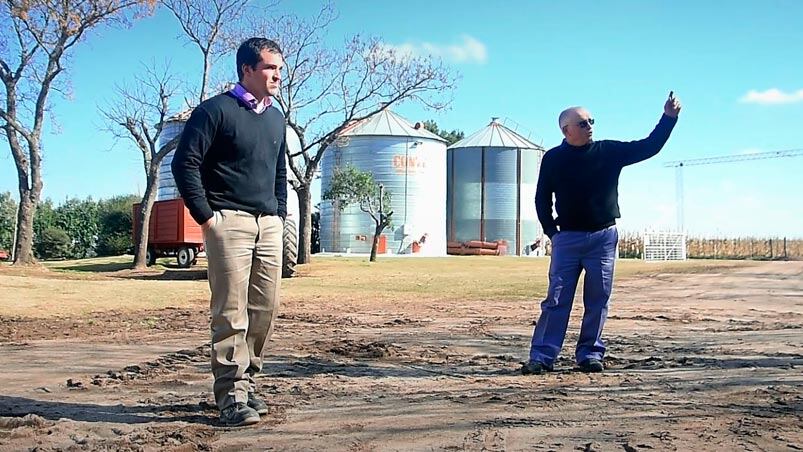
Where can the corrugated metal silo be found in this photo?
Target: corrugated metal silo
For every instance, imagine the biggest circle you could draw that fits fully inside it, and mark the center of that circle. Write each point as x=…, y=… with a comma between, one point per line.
x=411, y=164
x=166, y=187
x=491, y=181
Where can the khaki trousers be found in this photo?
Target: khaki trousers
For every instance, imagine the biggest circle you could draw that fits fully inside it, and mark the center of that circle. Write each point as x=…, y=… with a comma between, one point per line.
x=245, y=257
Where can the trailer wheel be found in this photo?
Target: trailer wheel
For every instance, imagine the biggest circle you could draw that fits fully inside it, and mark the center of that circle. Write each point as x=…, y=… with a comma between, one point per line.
x=150, y=256
x=290, y=249
x=185, y=257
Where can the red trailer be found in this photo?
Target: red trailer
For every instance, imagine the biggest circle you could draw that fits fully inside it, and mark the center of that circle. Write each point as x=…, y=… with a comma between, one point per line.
x=172, y=232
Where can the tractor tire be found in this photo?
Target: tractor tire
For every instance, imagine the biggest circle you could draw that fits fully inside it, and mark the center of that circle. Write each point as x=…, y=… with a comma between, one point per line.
x=290, y=249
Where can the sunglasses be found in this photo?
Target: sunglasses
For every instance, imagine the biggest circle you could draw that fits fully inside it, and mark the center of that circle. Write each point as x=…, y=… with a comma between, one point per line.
x=585, y=124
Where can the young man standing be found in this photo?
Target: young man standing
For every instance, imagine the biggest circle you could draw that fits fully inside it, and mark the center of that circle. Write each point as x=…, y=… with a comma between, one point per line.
x=230, y=168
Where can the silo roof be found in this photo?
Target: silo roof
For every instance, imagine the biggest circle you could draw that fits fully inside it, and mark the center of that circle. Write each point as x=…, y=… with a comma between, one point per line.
x=496, y=135
x=182, y=116
x=387, y=123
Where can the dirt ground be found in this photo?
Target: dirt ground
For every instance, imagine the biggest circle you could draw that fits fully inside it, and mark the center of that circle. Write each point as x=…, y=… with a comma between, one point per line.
x=696, y=362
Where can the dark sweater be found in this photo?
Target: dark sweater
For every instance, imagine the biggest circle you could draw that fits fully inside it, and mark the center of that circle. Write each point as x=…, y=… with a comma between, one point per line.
x=585, y=180
x=230, y=157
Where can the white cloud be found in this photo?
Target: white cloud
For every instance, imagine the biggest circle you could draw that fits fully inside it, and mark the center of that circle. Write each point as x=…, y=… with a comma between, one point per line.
x=772, y=96
x=469, y=50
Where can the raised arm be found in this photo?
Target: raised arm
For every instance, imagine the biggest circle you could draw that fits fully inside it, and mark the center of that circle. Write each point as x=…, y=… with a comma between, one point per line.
x=630, y=152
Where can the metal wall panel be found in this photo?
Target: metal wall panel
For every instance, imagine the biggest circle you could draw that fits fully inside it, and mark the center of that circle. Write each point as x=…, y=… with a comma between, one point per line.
x=491, y=195
x=413, y=170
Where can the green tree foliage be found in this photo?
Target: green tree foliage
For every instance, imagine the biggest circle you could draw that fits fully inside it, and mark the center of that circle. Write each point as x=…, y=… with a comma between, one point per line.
x=352, y=186
x=92, y=227
x=115, y=222
x=45, y=218
x=451, y=137
x=53, y=243
x=316, y=232
x=8, y=216
x=79, y=219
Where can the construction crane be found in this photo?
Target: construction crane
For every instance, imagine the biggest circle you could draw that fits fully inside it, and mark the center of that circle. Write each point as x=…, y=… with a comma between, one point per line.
x=679, y=164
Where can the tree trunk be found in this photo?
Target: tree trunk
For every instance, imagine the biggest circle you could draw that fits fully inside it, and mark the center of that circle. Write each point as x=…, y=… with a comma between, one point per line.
x=377, y=233
x=23, y=242
x=305, y=223
x=29, y=199
x=145, y=208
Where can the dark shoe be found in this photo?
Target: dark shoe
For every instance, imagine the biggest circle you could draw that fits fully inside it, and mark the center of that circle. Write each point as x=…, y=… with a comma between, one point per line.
x=591, y=365
x=535, y=368
x=238, y=414
x=257, y=404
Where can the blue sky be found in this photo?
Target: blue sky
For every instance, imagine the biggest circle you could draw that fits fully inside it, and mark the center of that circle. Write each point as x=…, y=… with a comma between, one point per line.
x=734, y=65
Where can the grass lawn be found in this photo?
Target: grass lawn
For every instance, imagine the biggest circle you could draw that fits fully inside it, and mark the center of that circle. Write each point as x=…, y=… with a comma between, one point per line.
x=78, y=287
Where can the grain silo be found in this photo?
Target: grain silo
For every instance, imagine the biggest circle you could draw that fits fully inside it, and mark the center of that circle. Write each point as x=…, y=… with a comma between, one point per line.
x=491, y=180
x=166, y=187
x=410, y=162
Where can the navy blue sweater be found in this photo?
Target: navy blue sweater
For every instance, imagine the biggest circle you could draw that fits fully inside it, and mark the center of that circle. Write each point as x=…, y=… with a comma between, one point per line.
x=230, y=157
x=585, y=180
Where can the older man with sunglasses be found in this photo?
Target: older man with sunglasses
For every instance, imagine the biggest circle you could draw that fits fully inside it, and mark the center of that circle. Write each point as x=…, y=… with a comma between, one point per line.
x=583, y=176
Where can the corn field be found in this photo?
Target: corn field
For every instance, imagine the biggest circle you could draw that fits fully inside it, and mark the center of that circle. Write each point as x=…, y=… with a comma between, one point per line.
x=632, y=246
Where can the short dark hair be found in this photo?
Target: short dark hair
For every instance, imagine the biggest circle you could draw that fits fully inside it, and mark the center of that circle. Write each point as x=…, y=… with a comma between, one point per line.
x=250, y=51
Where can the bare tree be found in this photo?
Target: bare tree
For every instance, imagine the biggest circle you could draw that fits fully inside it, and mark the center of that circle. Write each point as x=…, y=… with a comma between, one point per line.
x=208, y=25
x=326, y=89
x=33, y=50
x=139, y=113
x=142, y=108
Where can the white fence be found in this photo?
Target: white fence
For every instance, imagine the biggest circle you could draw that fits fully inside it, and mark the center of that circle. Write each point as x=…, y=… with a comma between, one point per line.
x=664, y=246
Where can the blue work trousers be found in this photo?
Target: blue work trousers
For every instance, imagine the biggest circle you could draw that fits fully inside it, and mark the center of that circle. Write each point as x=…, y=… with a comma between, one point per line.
x=573, y=252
